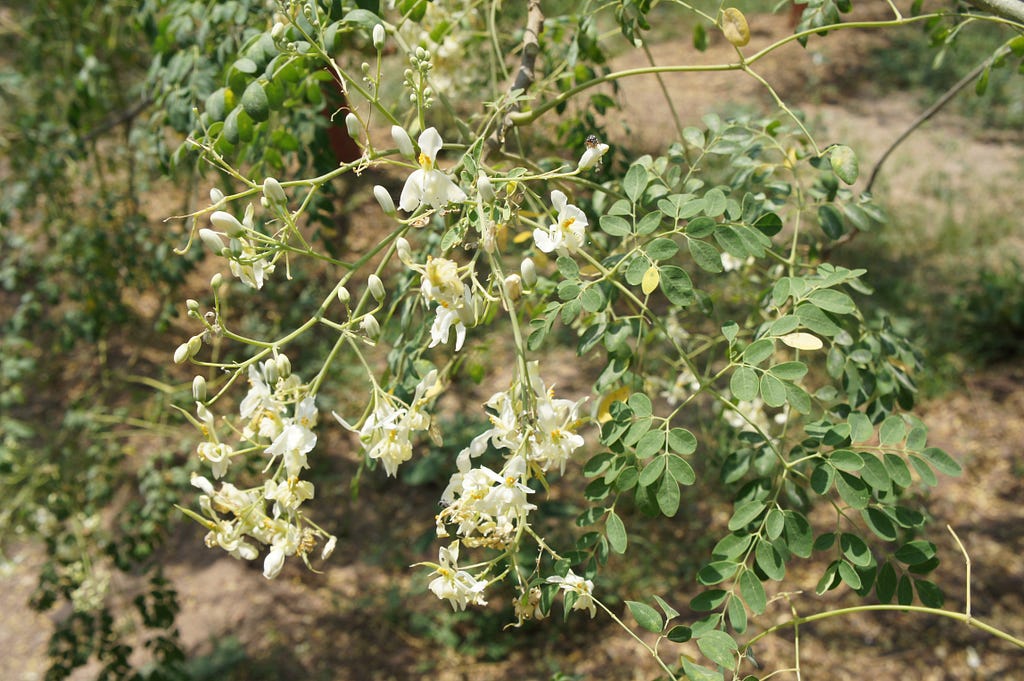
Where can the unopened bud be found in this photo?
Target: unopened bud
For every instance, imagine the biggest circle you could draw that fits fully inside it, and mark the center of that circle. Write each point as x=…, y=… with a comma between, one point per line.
x=284, y=366
x=333, y=541
x=226, y=222
x=212, y=240
x=216, y=196
x=270, y=372
x=192, y=305
x=343, y=295
x=387, y=204
x=529, y=272
x=277, y=30
x=274, y=192
x=376, y=287
x=370, y=326
x=181, y=353
x=195, y=343
x=354, y=126
x=403, y=141
x=404, y=250
x=216, y=280
x=199, y=388
x=513, y=286
x=379, y=35
x=484, y=186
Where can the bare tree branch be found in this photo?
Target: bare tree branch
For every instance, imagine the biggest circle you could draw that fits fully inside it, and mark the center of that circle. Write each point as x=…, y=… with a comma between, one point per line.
x=1007, y=9
x=526, y=74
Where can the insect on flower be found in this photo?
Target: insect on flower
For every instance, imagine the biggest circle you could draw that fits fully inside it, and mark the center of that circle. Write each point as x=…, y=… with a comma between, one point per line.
x=593, y=153
x=592, y=141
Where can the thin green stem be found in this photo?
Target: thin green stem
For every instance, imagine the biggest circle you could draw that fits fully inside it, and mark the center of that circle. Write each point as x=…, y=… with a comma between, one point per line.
x=628, y=630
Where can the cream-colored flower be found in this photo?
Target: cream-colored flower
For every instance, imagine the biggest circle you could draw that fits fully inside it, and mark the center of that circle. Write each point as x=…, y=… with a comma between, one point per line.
x=428, y=185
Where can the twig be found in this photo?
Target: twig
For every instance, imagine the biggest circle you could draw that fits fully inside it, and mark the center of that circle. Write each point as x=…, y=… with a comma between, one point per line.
x=1007, y=9
x=526, y=74
x=967, y=560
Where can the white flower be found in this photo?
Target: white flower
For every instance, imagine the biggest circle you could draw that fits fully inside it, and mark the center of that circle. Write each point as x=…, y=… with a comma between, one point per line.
x=218, y=455
x=592, y=156
x=457, y=586
x=296, y=438
x=582, y=588
x=428, y=185
x=567, y=234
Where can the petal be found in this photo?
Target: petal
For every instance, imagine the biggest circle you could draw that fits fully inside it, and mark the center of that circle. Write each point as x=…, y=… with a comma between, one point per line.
x=558, y=200
x=430, y=143
x=543, y=240
x=412, y=192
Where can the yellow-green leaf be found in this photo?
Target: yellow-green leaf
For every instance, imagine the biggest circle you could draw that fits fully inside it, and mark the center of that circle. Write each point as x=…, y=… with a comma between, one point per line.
x=650, y=281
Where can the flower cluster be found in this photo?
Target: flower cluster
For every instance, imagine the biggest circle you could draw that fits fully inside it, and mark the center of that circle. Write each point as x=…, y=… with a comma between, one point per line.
x=440, y=283
x=247, y=263
x=387, y=431
x=487, y=507
x=278, y=416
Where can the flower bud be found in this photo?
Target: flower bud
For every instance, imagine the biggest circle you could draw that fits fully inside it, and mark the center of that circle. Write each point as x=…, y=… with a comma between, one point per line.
x=343, y=295
x=354, y=126
x=484, y=186
x=284, y=366
x=529, y=272
x=274, y=192
x=370, y=326
x=212, y=240
x=277, y=30
x=513, y=286
x=227, y=222
x=192, y=305
x=273, y=563
x=181, y=353
x=387, y=204
x=402, y=141
x=333, y=541
x=404, y=250
x=376, y=287
x=216, y=280
x=216, y=196
x=195, y=343
x=199, y=388
x=379, y=35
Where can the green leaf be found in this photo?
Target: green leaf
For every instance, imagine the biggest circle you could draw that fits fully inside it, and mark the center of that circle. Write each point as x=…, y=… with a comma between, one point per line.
x=798, y=398
x=668, y=496
x=731, y=241
x=849, y=575
x=844, y=163
x=789, y=371
x=744, y=384
x=773, y=390
x=816, y=320
x=774, y=523
x=682, y=441
x=942, y=461
x=926, y=474
x=885, y=583
x=915, y=552
x=652, y=443
x=646, y=616
x=855, y=549
x=693, y=671
x=832, y=301
x=615, y=225
x=705, y=255
x=708, y=600
x=829, y=580
x=661, y=249
x=845, y=460
x=615, y=530
x=640, y=404
x=737, y=615
x=861, y=429
x=753, y=592
x=799, y=535
x=874, y=473
x=654, y=470
x=676, y=285
x=897, y=469
x=929, y=594
x=853, y=490
x=716, y=572
x=892, y=431
x=679, y=634
x=831, y=221
x=680, y=470
x=759, y=351
x=879, y=523
x=917, y=439
x=719, y=647
x=770, y=560
x=745, y=513
x=821, y=479
x=567, y=267
x=714, y=203
x=669, y=611
x=649, y=222
x=635, y=182
x=905, y=591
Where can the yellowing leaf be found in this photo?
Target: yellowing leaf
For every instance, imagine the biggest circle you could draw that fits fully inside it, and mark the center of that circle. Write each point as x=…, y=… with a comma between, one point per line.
x=618, y=395
x=650, y=281
x=734, y=26
x=802, y=341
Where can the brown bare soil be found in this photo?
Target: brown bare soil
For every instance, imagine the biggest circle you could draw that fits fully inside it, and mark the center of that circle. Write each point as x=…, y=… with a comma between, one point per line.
x=369, y=618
